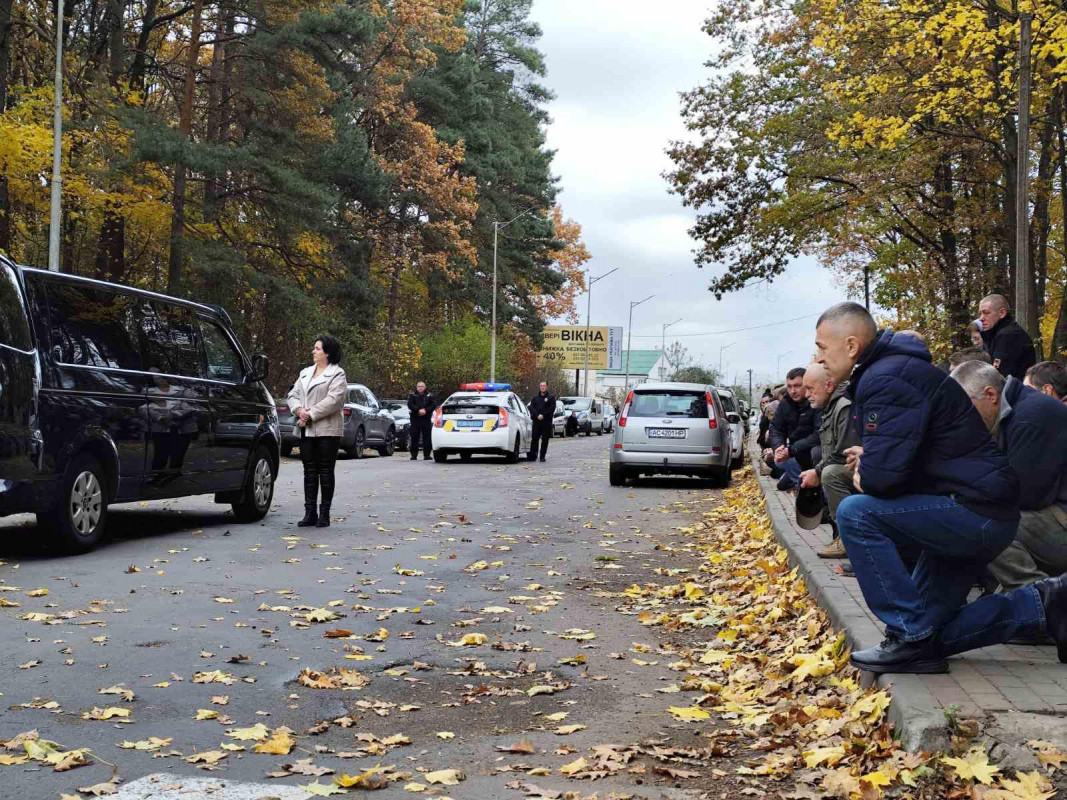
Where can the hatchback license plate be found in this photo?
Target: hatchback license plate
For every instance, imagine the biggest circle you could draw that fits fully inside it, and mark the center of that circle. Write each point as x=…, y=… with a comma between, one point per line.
x=469, y=423
x=665, y=433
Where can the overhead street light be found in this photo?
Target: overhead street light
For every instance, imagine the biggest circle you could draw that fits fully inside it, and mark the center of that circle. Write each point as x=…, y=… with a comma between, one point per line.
x=629, y=332
x=588, y=310
x=497, y=227
x=724, y=347
x=663, y=348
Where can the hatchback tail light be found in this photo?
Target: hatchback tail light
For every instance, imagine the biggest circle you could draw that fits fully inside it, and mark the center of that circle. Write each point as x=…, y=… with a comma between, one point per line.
x=438, y=422
x=347, y=412
x=626, y=409
x=502, y=420
x=712, y=422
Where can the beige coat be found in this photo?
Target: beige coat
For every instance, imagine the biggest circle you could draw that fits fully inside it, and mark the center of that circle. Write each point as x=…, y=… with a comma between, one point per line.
x=323, y=397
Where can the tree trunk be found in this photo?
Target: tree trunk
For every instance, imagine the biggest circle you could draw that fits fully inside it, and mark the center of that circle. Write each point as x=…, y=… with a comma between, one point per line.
x=177, y=221
x=1059, y=335
x=1042, y=225
x=215, y=101
x=140, y=56
x=5, y=72
x=111, y=249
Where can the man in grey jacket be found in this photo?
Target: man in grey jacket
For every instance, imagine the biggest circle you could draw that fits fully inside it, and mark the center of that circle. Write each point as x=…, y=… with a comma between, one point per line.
x=836, y=435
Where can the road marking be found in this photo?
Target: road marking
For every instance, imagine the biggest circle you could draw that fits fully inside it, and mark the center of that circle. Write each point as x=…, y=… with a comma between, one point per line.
x=162, y=786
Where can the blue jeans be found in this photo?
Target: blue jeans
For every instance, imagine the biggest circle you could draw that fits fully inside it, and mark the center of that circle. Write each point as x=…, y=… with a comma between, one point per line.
x=956, y=544
x=792, y=469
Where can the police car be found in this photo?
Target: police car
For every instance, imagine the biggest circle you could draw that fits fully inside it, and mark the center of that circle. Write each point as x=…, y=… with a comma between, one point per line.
x=483, y=418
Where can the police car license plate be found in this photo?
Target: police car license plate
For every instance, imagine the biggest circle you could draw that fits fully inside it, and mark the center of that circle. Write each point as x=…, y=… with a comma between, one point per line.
x=665, y=433
x=469, y=423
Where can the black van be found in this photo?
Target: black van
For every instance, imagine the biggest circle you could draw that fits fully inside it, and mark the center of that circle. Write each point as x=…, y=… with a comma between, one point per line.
x=110, y=394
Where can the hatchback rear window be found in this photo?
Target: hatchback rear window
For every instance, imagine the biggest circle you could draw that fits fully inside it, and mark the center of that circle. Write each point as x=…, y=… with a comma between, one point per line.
x=693, y=405
x=470, y=405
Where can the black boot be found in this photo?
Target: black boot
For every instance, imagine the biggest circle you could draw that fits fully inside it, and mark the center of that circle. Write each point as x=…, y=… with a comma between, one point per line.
x=1053, y=594
x=324, y=516
x=310, y=517
x=896, y=655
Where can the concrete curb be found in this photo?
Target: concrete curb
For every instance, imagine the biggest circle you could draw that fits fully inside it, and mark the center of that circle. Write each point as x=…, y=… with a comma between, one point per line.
x=915, y=715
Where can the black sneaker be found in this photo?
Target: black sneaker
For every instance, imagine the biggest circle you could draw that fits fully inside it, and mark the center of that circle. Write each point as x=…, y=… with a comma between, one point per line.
x=542, y=459
x=897, y=655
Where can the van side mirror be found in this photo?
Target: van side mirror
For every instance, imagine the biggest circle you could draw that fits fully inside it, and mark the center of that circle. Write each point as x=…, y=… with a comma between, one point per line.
x=732, y=417
x=260, y=368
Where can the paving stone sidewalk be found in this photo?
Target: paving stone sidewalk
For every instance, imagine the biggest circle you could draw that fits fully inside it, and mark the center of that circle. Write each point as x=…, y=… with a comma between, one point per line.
x=994, y=681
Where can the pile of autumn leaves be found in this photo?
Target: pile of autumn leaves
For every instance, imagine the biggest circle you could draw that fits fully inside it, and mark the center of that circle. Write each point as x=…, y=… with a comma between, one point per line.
x=773, y=667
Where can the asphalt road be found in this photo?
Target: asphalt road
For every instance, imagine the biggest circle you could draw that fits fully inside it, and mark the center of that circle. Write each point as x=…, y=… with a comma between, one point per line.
x=182, y=589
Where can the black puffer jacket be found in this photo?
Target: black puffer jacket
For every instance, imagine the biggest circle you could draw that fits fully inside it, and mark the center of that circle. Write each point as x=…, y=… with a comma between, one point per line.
x=543, y=405
x=1010, y=347
x=417, y=401
x=794, y=426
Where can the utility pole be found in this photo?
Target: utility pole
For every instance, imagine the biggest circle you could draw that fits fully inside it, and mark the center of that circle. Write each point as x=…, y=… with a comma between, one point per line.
x=750, y=398
x=57, y=148
x=497, y=227
x=629, y=334
x=588, y=311
x=724, y=347
x=1025, y=305
x=867, y=286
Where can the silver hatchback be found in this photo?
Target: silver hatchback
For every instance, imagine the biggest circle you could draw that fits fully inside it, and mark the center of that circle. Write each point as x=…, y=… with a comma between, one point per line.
x=671, y=428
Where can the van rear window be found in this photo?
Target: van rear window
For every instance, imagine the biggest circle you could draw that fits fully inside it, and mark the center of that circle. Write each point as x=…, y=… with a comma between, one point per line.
x=92, y=326
x=693, y=405
x=14, y=327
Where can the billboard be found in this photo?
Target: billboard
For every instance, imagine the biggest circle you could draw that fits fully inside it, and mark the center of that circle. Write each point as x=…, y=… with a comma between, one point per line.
x=565, y=347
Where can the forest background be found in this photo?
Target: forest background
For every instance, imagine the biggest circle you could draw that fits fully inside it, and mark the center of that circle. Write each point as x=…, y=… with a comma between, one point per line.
x=310, y=165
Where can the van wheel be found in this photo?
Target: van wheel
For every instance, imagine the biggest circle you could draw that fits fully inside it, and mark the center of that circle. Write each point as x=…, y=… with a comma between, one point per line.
x=465, y=456
x=258, y=490
x=389, y=447
x=600, y=430
x=617, y=475
x=77, y=523
x=440, y=456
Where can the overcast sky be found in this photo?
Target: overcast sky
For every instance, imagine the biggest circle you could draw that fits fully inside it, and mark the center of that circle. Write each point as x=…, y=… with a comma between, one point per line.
x=616, y=67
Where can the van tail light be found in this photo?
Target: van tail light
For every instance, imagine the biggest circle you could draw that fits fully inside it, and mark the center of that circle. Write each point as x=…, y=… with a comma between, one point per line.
x=626, y=409
x=438, y=422
x=347, y=412
x=502, y=420
x=712, y=422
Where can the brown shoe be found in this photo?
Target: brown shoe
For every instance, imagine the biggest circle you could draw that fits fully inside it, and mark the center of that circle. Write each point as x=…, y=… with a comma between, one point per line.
x=836, y=549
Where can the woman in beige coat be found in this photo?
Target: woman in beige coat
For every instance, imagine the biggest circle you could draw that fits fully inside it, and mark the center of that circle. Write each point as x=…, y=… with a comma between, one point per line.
x=317, y=400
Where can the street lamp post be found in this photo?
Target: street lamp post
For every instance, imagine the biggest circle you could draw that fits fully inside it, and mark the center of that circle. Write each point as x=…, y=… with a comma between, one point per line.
x=629, y=333
x=778, y=367
x=57, y=147
x=724, y=347
x=663, y=348
x=588, y=311
x=497, y=227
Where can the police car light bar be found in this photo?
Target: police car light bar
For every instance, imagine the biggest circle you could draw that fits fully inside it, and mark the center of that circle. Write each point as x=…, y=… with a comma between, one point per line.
x=485, y=387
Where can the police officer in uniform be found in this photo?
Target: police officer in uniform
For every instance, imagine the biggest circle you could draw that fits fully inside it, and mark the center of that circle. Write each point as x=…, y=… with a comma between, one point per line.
x=542, y=407
x=421, y=405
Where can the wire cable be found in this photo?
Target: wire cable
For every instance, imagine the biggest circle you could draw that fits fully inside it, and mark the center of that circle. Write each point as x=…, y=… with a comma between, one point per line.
x=730, y=330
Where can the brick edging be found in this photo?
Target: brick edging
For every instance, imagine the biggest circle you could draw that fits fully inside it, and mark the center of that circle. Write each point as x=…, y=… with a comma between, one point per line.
x=919, y=722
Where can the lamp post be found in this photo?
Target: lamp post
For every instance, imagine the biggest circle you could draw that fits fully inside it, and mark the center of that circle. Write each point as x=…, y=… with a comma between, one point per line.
x=629, y=333
x=588, y=311
x=57, y=147
x=724, y=347
x=663, y=348
x=497, y=227
x=778, y=367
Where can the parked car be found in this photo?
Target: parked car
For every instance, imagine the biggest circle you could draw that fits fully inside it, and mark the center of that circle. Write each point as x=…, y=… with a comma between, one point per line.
x=479, y=421
x=110, y=394
x=582, y=415
x=737, y=428
x=366, y=424
x=402, y=418
x=609, y=418
x=671, y=428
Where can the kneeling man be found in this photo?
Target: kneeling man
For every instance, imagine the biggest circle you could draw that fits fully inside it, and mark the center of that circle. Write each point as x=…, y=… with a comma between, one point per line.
x=929, y=477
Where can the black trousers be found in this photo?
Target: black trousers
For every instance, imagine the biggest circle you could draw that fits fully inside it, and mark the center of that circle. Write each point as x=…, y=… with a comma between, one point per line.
x=542, y=431
x=319, y=454
x=420, y=432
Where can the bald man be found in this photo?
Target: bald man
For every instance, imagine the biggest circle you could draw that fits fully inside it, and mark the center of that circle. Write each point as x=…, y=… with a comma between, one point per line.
x=1008, y=344
x=836, y=435
x=928, y=477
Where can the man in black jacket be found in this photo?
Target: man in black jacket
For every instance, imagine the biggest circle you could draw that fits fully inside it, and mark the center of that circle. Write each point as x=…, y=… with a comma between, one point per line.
x=795, y=430
x=1010, y=347
x=421, y=405
x=542, y=407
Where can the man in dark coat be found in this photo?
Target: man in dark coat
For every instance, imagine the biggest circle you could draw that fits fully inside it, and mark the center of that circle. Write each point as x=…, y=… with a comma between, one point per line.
x=1010, y=347
x=794, y=433
x=542, y=407
x=928, y=476
x=1031, y=429
x=421, y=405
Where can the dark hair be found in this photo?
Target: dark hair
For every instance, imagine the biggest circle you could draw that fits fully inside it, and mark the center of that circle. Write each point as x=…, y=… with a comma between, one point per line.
x=850, y=310
x=1049, y=372
x=331, y=347
x=968, y=354
x=794, y=373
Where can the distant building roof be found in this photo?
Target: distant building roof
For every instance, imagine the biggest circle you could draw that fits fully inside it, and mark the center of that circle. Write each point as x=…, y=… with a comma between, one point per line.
x=641, y=363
